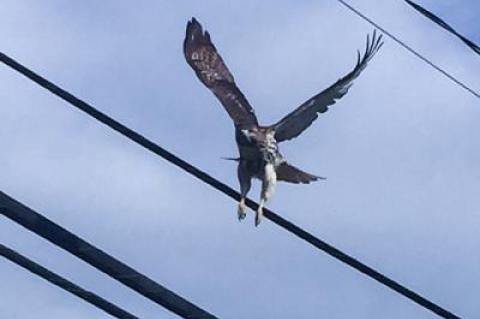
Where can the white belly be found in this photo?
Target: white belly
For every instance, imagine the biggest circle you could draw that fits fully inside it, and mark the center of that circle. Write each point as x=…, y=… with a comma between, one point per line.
x=269, y=181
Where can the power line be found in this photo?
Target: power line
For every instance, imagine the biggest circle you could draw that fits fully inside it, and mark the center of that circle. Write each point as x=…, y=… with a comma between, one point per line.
x=444, y=25
x=109, y=265
x=410, y=49
x=65, y=284
x=280, y=221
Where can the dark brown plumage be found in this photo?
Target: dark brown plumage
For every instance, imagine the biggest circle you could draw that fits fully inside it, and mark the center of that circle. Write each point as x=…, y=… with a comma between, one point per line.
x=259, y=153
x=203, y=57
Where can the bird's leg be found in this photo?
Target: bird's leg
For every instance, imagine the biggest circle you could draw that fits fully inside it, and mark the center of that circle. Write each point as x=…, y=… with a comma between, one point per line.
x=268, y=187
x=245, y=180
x=241, y=209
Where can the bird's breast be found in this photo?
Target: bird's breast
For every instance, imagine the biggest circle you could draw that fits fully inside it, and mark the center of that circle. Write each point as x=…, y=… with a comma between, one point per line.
x=257, y=145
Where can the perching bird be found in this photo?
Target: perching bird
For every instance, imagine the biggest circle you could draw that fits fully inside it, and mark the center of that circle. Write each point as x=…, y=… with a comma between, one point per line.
x=257, y=145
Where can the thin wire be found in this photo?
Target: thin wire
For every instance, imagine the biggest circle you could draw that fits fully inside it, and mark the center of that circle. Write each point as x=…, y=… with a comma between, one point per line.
x=155, y=148
x=444, y=25
x=65, y=284
x=410, y=49
x=109, y=265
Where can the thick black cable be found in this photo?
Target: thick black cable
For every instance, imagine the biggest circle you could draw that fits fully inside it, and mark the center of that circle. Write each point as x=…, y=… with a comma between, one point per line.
x=111, y=266
x=65, y=284
x=139, y=139
x=410, y=49
x=444, y=25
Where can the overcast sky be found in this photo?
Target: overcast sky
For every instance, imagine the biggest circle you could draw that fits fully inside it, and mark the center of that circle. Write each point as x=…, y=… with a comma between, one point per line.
x=400, y=151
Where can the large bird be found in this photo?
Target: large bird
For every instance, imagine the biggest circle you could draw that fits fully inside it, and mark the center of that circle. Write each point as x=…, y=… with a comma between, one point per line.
x=258, y=145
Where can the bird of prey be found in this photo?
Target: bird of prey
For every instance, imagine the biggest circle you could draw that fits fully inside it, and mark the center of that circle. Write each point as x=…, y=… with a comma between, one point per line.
x=258, y=145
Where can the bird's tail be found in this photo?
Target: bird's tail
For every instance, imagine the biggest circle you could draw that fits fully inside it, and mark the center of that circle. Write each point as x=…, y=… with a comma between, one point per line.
x=236, y=159
x=291, y=174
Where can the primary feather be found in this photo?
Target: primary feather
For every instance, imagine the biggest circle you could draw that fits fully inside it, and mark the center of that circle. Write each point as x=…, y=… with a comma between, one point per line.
x=301, y=118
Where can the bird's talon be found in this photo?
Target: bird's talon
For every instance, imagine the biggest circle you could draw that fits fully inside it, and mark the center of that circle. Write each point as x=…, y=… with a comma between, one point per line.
x=241, y=210
x=241, y=216
x=258, y=217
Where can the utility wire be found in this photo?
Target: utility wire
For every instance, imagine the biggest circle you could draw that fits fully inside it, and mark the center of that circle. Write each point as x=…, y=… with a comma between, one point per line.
x=65, y=284
x=109, y=265
x=444, y=25
x=280, y=221
x=410, y=49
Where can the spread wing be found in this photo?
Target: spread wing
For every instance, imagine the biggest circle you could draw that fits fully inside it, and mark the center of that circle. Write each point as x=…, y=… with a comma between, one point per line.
x=297, y=121
x=207, y=63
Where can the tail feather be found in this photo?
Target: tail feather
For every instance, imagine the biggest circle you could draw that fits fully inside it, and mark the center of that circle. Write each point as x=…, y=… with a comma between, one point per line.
x=291, y=174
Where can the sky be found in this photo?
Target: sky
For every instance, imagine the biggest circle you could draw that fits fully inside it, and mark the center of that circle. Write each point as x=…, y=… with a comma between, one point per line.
x=400, y=152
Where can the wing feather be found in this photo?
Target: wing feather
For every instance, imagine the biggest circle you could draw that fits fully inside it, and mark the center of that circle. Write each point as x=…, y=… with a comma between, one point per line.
x=207, y=63
x=301, y=118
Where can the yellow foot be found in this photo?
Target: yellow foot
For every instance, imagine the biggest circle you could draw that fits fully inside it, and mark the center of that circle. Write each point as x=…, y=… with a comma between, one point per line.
x=241, y=210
